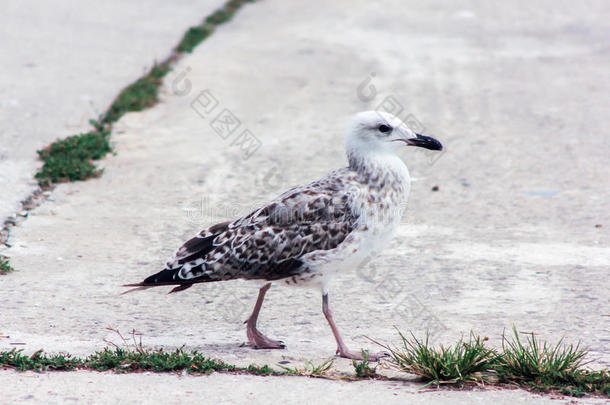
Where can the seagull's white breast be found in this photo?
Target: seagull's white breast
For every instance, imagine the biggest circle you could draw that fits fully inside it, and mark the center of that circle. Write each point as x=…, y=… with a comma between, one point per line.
x=379, y=199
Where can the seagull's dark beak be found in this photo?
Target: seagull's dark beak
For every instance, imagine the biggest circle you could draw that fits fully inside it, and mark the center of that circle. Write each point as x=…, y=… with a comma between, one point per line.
x=425, y=142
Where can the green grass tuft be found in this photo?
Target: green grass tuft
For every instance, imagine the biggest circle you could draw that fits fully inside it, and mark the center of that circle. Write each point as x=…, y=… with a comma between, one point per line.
x=363, y=368
x=464, y=362
x=538, y=361
x=311, y=370
x=5, y=266
x=543, y=366
x=531, y=364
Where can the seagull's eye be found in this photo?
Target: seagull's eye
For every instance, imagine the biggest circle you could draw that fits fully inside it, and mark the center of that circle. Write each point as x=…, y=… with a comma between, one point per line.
x=384, y=129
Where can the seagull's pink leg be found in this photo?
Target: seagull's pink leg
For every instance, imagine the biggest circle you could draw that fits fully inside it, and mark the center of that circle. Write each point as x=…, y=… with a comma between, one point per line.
x=342, y=349
x=258, y=340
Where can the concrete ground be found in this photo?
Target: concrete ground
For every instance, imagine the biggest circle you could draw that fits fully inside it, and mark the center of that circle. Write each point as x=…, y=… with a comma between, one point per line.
x=516, y=233
x=63, y=62
x=94, y=388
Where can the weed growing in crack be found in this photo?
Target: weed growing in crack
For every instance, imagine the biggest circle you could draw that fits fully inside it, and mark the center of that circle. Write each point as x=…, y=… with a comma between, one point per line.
x=5, y=266
x=310, y=369
x=466, y=361
x=363, y=368
x=198, y=33
x=545, y=366
x=530, y=364
x=71, y=159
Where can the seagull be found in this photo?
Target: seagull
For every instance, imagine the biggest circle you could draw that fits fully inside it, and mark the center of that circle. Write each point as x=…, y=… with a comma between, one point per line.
x=311, y=232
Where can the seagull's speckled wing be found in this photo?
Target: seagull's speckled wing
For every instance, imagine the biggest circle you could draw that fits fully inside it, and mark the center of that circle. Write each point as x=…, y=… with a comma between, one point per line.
x=269, y=242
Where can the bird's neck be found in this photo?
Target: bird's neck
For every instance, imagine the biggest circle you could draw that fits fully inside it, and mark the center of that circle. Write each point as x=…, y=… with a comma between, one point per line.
x=373, y=166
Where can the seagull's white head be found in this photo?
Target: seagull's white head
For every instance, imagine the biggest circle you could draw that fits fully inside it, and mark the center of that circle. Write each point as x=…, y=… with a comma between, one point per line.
x=378, y=133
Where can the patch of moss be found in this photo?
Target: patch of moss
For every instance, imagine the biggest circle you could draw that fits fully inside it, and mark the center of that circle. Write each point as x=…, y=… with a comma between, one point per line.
x=193, y=37
x=70, y=159
x=127, y=361
x=121, y=360
x=141, y=94
x=38, y=361
x=198, y=33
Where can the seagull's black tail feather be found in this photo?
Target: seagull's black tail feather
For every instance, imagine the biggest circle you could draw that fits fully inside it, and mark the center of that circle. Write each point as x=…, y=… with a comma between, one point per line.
x=165, y=277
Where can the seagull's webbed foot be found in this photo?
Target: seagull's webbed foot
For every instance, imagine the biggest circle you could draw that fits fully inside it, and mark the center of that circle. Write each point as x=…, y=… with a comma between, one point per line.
x=259, y=341
x=342, y=349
